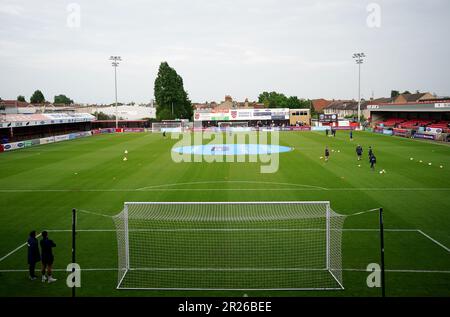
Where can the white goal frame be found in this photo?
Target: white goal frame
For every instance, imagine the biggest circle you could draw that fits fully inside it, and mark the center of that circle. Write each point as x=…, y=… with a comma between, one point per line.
x=124, y=215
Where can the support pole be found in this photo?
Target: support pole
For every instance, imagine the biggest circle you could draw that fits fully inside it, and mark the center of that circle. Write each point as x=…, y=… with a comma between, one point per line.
x=74, y=218
x=127, y=243
x=327, y=237
x=115, y=85
x=383, y=285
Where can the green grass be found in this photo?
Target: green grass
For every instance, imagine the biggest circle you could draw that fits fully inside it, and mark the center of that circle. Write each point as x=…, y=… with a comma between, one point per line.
x=39, y=187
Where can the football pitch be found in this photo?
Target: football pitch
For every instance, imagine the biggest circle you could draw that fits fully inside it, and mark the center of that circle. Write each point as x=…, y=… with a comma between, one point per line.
x=39, y=187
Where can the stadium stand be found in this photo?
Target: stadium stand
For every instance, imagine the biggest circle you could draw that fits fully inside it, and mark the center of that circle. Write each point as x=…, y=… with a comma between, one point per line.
x=391, y=122
x=414, y=123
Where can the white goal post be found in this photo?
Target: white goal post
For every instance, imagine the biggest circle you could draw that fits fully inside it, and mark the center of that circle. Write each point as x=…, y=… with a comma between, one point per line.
x=229, y=246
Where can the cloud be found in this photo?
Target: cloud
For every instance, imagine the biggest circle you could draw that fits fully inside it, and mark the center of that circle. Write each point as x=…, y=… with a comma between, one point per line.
x=10, y=9
x=240, y=47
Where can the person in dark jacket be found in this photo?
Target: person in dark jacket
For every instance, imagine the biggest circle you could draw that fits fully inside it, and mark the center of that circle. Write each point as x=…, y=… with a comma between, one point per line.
x=33, y=254
x=370, y=152
x=359, y=152
x=373, y=161
x=47, y=257
x=327, y=154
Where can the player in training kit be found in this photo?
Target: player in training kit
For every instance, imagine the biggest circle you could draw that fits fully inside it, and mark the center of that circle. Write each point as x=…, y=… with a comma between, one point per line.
x=359, y=152
x=47, y=257
x=373, y=161
x=327, y=154
x=164, y=133
x=351, y=135
x=370, y=152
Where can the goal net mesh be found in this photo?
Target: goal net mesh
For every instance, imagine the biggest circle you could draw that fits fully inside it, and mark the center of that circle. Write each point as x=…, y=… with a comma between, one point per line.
x=229, y=246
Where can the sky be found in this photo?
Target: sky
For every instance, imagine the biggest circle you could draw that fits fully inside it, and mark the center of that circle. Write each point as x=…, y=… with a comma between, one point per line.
x=223, y=47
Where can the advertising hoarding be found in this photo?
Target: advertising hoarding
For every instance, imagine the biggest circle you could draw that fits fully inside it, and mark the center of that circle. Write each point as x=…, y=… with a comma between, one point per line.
x=242, y=114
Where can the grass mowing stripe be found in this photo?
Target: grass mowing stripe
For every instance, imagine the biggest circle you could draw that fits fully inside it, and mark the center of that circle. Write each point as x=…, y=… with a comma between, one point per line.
x=219, y=189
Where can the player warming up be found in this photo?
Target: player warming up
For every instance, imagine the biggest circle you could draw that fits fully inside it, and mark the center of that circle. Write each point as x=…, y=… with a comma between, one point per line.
x=370, y=152
x=373, y=161
x=327, y=154
x=47, y=257
x=359, y=152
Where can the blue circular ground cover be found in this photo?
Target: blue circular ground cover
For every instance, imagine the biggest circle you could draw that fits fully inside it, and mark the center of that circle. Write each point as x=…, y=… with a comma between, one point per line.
x=231, y=149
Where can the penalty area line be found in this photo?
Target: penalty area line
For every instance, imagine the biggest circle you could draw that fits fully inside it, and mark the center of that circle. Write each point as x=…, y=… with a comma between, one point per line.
x=434, y=240
x=237, y=269
x=305, y=189
x=16, y=249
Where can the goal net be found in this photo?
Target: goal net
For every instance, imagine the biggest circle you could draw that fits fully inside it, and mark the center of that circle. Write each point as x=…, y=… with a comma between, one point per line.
x=229, y=246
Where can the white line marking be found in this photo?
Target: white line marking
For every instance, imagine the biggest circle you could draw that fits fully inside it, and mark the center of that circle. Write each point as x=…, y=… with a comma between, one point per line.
x=402, y=271
x=16, y=249
x=180, y=269
x=232, y=182
x=60, y=270
x=237, y=229
x=214, y=189
x=227, y=289
x=435, y=241
x=231, y=229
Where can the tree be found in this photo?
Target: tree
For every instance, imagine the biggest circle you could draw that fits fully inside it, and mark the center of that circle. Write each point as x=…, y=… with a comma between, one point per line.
x=171, y=98
x=279, y=100
x=273, y=99
x=21, y=98
x=314, y=113
x=37, y=97
x=395, y=93
x=406, y=92
x=63, y=99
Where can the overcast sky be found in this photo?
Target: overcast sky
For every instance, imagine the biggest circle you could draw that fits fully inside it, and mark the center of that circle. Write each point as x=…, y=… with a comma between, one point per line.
x=236, y=47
